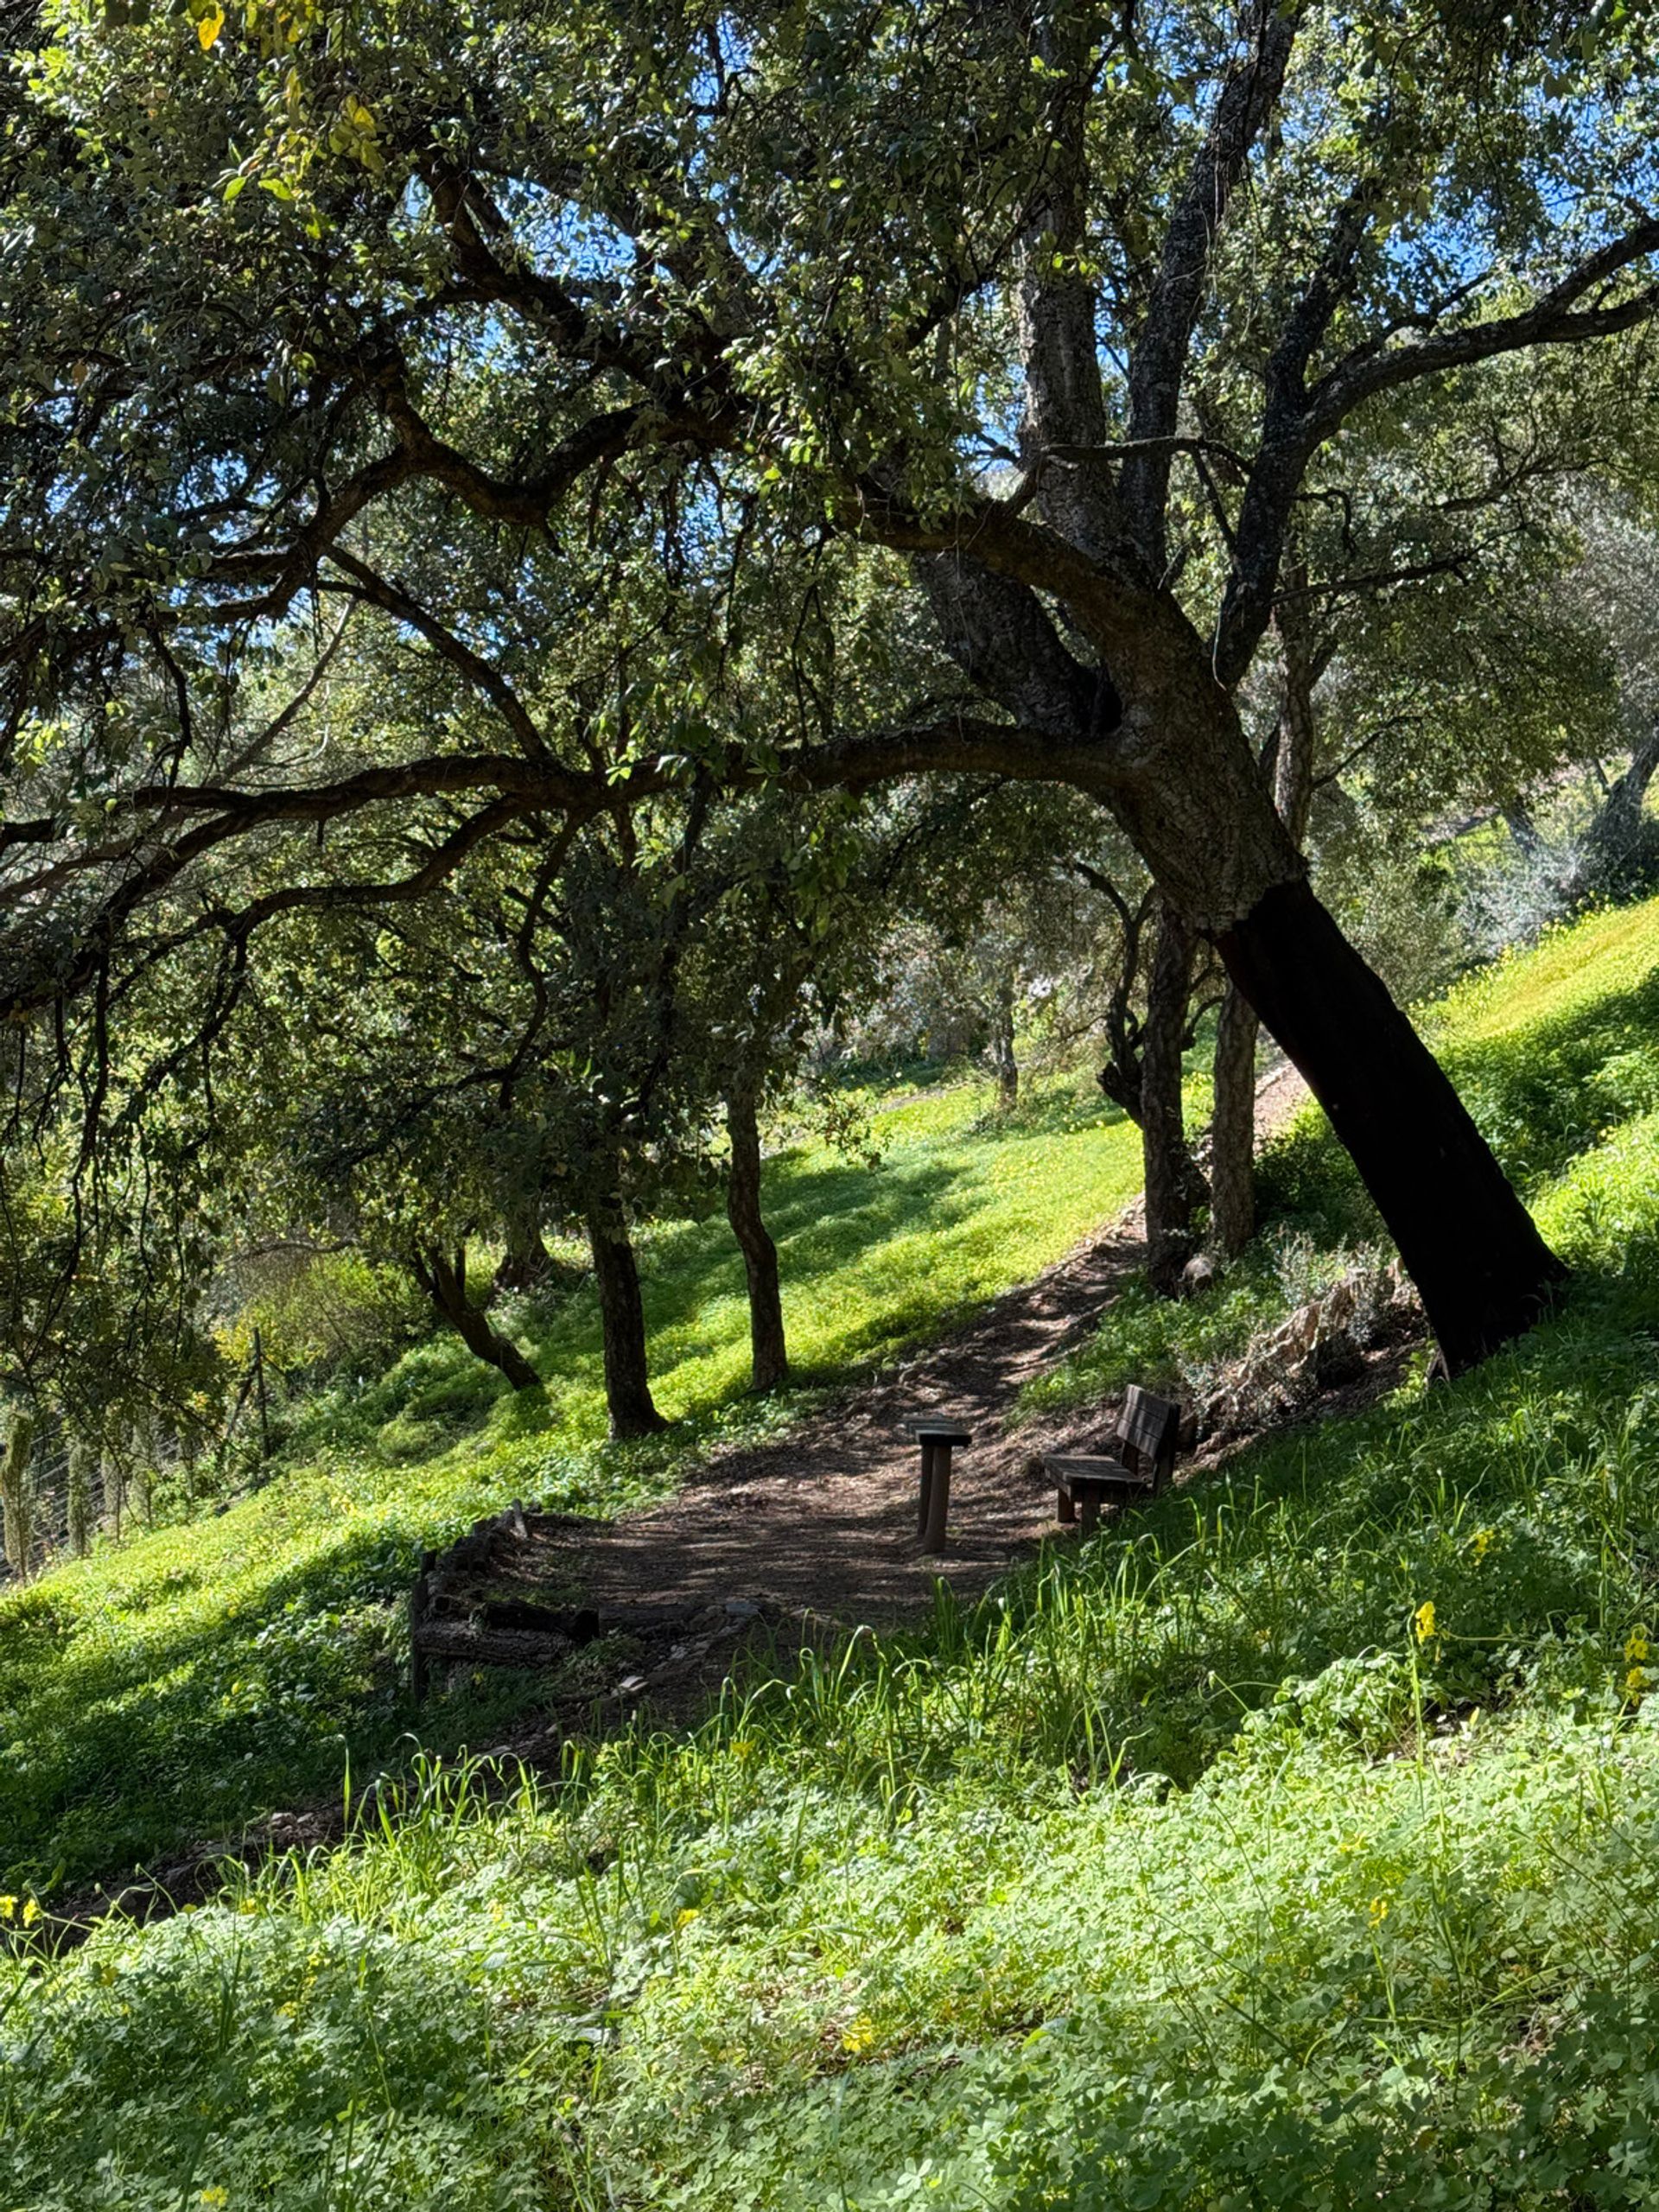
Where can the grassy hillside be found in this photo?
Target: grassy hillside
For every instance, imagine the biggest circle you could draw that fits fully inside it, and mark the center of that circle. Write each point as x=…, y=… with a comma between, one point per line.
x=1293, y=1844
x=167, y=1691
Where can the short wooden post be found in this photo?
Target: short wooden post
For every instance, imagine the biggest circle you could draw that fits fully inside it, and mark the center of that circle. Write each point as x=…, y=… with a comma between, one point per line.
x=938, y=1497
x=1063, y=1508
x=938, y=1436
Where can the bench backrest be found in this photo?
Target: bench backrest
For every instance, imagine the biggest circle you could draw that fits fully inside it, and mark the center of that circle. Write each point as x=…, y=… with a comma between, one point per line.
x=1146, y=1434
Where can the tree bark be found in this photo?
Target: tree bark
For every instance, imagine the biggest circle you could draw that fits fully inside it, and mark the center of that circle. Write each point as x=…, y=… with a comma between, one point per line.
x=1232, y=1126
x=1524, y=830
x=18, y=1495
x=114, y=1481
x=526, y=1264
x=1620, y=853
x=1005, y=1065
x=1482, y=1269
x=622, y=1322
x=444, y=1281
x=1173, y=1185
x=77, y=1505
x=768, y=1351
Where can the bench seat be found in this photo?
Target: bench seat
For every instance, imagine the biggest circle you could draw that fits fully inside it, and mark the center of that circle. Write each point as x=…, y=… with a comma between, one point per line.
x=1144, y=1435
x=1091, y=1482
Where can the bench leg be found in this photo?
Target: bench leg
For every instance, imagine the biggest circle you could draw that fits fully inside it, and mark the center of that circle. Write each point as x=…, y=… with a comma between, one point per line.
x=1063, y=1508
x=925, y=1495
x=1090, y=1513
x=938, y=1500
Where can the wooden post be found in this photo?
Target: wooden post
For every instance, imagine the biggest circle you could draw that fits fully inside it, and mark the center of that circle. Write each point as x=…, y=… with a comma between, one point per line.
x=938, y=1497
x=417, y=1609
x=940, y=1437
x=1090, y=1504
x=1063, y=1508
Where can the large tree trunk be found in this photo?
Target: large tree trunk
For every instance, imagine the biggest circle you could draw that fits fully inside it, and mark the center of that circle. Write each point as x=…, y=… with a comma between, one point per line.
x=768, y=1353
x=622, y=1320
x=444, y=1281
x=1483, y=1271
x=1154, y=733
x=1174, y=1185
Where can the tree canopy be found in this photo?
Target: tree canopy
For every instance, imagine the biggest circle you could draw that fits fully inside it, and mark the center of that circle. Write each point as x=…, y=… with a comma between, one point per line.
x=760, y=396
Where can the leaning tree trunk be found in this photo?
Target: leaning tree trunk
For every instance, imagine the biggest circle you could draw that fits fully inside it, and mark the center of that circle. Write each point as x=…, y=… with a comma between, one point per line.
x=1155, y=735
x=1173, y=1185
x=444, y=1281
x=768, y=1353
x=1484, y=1273
x=622, y=1322
x=1621, y=846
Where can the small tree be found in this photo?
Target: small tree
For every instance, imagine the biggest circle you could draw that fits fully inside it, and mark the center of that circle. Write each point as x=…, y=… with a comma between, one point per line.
x=79, y=1501
x=17, y=1493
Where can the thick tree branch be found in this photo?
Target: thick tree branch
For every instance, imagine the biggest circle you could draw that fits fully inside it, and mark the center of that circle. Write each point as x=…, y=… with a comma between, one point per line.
x=1157, y=365
x=1296, y=424
x=1066, y=407
x=1554, y=319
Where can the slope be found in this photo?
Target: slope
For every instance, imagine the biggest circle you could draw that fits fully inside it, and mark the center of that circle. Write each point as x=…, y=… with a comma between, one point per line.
x=1294, y=1842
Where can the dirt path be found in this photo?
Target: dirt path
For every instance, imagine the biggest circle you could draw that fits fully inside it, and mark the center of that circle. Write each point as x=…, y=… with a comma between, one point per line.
x=826, y=1517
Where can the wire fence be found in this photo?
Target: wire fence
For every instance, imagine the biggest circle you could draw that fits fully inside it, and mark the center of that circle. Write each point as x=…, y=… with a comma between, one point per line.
x=66, y=1496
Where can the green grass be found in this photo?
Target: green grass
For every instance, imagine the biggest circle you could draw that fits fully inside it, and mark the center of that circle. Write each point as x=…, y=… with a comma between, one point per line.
x=207, y=1673
x=1296, y=1843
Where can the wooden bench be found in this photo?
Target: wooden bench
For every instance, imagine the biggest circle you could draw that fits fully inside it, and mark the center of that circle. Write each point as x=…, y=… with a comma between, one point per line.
x=1144, y=1443
x=938, y=1436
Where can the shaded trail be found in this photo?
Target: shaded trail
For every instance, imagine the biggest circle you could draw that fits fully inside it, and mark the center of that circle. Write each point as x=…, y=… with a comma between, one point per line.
x=825, y=1517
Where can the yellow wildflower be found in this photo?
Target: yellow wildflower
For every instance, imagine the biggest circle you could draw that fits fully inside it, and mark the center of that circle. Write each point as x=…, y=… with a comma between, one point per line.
x=1378, y=1911
x=1481, y=1542
x=686, y=1915
x=860, y=2036
x=1635, y=1683
x=8, y=1907
x=1423, y=1620
x=31, y=1913
x=213, y=2196
x=1636, y=1647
